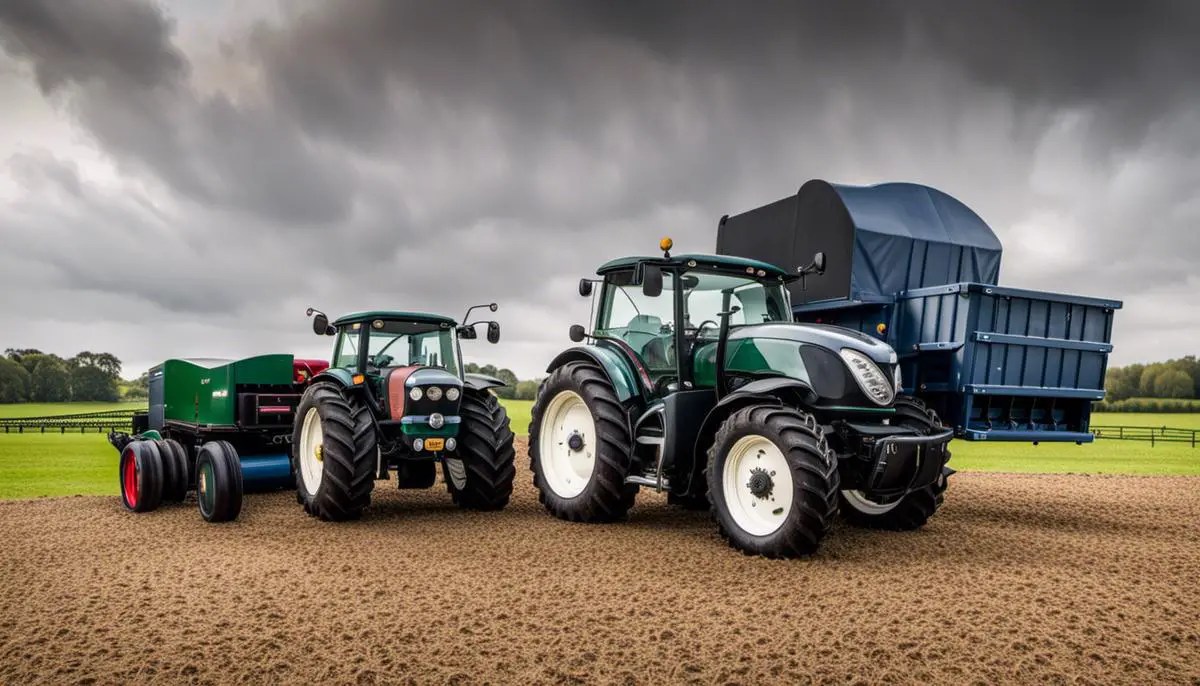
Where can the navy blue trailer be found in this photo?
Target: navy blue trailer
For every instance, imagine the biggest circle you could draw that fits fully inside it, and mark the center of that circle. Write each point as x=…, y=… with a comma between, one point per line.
x=911, y=265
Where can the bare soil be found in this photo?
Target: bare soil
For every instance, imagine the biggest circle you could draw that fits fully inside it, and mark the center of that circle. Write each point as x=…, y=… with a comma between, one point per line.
x=1018, y=579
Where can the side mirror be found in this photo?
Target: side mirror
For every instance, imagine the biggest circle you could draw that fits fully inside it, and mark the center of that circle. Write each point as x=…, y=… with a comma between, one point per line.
x=585, y=287
x=493, y=307
x=819, y=262
x=467, y=332
x=577, y=333
x=493, y=333
x=321, y=325
x=652, y=281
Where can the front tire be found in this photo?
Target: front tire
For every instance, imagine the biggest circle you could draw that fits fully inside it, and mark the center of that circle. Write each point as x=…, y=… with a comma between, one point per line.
x=772, y=481
x=579, y=446
x=334, y=450
x=481, y=476
x=913, y=510
x=141, y=476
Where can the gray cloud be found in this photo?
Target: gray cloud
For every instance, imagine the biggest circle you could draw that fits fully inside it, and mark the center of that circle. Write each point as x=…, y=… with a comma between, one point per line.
x=375, y=153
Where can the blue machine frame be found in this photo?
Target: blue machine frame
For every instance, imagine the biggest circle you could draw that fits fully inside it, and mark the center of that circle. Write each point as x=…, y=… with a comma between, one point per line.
x=997, y=363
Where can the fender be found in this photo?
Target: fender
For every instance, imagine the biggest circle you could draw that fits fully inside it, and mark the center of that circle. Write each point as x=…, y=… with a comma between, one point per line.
x=337, y=375
x=771, y=390
x=615, y=367
x=481, y=382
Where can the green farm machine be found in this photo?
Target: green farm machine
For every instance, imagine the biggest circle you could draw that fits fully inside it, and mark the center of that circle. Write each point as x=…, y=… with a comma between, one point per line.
x=394, y=397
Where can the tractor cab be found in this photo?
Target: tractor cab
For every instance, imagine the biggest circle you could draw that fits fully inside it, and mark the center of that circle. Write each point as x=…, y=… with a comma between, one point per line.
x=669, y=314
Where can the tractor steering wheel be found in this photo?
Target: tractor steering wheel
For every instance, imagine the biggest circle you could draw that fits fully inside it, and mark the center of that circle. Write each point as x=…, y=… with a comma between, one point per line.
x=381, y=360
x=700, y=329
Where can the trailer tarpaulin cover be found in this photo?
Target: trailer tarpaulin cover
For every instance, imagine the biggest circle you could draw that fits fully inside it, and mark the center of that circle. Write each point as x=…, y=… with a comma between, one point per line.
x=878, y=240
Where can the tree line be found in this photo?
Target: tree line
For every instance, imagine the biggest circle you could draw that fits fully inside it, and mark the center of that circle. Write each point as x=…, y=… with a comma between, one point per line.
x=1173, y=379
x=30, y=375
x=516, y=388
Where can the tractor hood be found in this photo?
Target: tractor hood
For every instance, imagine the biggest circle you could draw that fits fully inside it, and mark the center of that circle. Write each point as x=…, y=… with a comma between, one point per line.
x=832, y=337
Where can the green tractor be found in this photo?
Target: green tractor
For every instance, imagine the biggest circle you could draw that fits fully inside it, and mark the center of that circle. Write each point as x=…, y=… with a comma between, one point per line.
x=698, y=383
x=395, y=397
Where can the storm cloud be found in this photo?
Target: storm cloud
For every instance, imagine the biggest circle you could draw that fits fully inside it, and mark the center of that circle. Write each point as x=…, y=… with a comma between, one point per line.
x=435, y=155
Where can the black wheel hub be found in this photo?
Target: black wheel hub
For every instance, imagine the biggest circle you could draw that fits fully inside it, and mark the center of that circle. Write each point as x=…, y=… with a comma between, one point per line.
x=761, y=484
x=575, y=441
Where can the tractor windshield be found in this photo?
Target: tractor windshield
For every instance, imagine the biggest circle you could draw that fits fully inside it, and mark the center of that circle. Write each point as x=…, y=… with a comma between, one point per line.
x=393, y=343
x=704, y=300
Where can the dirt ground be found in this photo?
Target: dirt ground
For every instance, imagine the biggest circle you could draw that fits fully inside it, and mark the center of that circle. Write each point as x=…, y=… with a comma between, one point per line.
x=1029, y=579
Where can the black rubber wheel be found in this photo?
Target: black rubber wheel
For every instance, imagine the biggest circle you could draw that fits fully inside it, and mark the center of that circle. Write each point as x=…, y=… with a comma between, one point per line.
x=605, y=497
x=218, y=482
x=175, y=471
x=479, y=475
x=913, y=510
x=346, y=454
x=810, y=462
x=140, y=474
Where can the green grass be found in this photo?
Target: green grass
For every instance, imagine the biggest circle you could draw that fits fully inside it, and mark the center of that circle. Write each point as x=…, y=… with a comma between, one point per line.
x=34, y=465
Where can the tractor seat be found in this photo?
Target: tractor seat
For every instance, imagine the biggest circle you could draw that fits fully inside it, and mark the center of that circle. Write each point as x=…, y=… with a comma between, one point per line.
x=642, y=329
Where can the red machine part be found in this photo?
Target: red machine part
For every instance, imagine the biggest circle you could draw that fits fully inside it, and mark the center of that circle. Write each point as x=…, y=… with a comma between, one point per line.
x=395, y=389
x=304, y=370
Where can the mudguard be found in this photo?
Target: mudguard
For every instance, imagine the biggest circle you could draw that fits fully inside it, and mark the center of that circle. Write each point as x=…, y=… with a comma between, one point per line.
x=337, y=375
x=768, y=390
x=481, y=382
x=615, y=367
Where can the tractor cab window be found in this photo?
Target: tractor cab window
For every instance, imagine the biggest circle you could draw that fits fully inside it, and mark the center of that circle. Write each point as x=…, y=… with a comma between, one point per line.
x=393, y=343
x=705, y=296
x=645, y=323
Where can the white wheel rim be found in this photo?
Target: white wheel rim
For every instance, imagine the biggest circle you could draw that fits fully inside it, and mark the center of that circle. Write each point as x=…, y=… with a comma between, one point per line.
x=567, y=471
x=865, y=505
x=758, y=514
x=312, y=439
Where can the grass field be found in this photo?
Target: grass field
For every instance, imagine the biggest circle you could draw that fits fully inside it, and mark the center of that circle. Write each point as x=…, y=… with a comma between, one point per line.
x=34, y=465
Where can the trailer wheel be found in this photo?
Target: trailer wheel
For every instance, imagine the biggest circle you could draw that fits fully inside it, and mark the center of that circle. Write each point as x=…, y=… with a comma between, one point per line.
x=334, y=451
x=175, y=471
x=140, y=472
x=772, y=481
x=218, y=482
x=579, y=446
x=913, y=510
x=480, y=476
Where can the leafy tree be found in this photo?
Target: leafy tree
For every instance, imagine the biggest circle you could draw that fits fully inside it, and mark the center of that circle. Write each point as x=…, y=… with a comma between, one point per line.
x=50, y=381
x=1173, y=383
x=14, y=382
x=91, y=383
x=527, y=390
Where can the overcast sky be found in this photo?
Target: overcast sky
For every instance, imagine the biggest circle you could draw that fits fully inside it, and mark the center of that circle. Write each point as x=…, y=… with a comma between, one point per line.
x=185, y=178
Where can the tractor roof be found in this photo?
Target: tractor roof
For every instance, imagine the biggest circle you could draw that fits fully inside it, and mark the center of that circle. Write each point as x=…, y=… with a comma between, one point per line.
x=727, y=263
x=393, y=315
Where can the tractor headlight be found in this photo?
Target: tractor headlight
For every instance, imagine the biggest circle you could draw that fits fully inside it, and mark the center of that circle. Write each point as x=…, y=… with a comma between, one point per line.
x=870, y=379
x=451, y=444
x=434, y=393
x=415, y=393
x=418, y=445
x=899, y=380
x=452, y=394
x=436, y=420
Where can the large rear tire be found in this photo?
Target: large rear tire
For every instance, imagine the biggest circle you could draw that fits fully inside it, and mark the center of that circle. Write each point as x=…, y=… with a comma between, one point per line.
x=772, y=481
x=218, y=482
x=334, y=451
x=480, y=476
x=579, y=446
x=913, y=510
x=140, y=473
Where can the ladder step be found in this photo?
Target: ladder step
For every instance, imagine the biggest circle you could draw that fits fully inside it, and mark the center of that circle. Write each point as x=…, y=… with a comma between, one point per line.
x=650, y=440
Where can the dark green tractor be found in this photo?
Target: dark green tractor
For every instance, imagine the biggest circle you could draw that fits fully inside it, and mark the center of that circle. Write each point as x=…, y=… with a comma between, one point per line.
x=697, y=382
x=395, y=397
